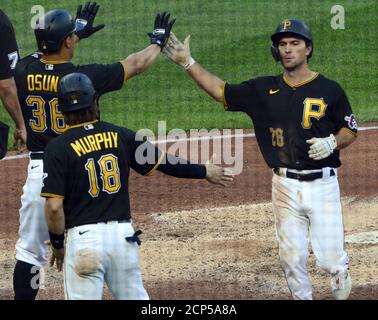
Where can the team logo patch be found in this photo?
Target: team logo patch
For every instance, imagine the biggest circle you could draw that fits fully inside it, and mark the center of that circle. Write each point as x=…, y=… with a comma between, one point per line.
x=352, y=122
x=73, y=99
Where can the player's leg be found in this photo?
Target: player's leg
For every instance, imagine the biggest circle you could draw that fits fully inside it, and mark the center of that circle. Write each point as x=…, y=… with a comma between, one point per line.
x=327, y=235
x=124, y=277
x=85, y=264
x=292, y=235
x=31, y=250
x=25, y=281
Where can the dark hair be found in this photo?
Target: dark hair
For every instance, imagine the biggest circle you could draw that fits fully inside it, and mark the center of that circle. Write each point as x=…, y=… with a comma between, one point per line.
x=82, y=115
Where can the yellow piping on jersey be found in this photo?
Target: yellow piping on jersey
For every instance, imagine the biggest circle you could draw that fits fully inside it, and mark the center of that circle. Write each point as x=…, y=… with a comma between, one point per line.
x=52, y=61
x=156, y=165
x=52, y=195
x=124, y=70
x=348, y=130
x=224, y=98
x=81, y=124
x=302, y=83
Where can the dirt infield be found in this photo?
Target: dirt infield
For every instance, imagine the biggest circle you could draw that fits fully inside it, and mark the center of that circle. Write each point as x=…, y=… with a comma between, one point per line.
x=206, y=242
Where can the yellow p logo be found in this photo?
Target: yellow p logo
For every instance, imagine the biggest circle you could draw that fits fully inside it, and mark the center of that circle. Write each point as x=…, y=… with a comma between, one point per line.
x=313, y=108
x=287, y=24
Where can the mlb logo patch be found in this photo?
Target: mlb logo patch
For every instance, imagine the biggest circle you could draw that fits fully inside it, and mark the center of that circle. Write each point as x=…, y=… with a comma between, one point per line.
x=49, y=67
x=89, y=126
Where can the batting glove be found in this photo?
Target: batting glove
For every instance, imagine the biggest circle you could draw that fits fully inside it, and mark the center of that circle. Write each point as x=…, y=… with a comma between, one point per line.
x=322, y=147
x=84, y=20
x=179, y=53
x=162, y=29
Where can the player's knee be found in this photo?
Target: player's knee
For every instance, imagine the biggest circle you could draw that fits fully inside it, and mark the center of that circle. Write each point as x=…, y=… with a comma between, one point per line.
x=292, y=259
x=86, y=261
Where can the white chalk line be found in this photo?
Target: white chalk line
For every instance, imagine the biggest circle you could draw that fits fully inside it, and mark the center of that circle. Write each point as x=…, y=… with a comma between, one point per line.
x=200, y=138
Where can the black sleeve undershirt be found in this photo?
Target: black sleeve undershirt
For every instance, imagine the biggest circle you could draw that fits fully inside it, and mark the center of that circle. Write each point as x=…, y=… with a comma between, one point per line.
x=180, y=168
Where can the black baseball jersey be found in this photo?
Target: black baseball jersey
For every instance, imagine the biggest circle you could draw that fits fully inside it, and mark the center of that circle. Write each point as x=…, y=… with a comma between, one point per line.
x=285, y=116
x=37, y=83
x=88, y=166
x=8, y=48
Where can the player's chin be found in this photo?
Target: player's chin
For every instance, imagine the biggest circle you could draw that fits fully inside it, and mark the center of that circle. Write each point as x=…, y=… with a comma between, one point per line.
x=290, y=65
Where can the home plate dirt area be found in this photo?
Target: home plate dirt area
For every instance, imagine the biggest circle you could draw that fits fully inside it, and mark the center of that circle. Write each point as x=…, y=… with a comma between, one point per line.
x=202, y=241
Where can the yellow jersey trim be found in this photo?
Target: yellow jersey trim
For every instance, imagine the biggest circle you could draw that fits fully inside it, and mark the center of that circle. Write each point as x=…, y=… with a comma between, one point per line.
x=52, y=61
x=348, y=130
x=124, y=70
x=52, y=195
x=224, y=98
x=81, y=124
x=156, y=165
x=302, y=83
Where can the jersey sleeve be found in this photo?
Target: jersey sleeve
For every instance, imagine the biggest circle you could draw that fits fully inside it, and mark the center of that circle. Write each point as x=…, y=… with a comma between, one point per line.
x=53, y=177
x=240, y=97
x=144, y=157
x=343, y=115
x=9, y=55
x=105, y=77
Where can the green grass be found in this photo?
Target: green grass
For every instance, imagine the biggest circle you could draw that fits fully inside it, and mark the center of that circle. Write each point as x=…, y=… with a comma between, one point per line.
x=229, y=38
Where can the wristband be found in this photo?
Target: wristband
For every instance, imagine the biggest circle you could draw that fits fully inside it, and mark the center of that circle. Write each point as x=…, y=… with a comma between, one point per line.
x=57, y=240
x=190, y=63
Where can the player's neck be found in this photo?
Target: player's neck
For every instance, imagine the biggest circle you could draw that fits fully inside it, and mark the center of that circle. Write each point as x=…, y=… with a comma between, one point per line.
x=298, y=76
x=56, y=57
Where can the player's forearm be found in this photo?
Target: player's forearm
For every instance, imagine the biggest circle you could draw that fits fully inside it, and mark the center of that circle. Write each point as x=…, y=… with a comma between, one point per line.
x=139, y=62
x=180, y=168
x=207, y=81
x=8, y=94
x=344, y=138
x=55, y=215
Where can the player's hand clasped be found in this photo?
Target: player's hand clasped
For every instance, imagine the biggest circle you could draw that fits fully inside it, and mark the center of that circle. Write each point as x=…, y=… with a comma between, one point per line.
x=162, y=29
x=84, y=20
x=178, y=52
x=322, y=147
x=216, y=174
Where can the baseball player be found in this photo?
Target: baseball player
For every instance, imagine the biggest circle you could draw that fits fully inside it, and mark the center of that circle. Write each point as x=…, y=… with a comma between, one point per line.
x=86, y=184
x=8, y=92
x=301, y=120
x=37, y=78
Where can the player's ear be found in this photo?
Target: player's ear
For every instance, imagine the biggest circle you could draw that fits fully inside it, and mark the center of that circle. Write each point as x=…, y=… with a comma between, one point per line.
x=69, y=41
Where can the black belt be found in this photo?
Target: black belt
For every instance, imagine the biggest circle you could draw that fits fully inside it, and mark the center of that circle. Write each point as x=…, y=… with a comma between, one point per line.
x=36, y=155
x=119, y=221
x=304, y=176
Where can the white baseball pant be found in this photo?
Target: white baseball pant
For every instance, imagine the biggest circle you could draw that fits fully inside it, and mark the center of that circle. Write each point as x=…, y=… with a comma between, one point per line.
x=98, y=254
x=33, y=232
x=308, y=211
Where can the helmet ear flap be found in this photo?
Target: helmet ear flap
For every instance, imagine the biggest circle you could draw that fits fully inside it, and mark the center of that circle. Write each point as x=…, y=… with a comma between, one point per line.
x=275, y=52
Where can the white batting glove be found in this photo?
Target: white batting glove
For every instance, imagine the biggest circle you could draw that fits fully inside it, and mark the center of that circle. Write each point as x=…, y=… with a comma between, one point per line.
x=178, y=52
x=322, y=147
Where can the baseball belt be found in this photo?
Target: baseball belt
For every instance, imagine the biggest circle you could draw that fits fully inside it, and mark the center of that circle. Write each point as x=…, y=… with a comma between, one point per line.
x=302, y=176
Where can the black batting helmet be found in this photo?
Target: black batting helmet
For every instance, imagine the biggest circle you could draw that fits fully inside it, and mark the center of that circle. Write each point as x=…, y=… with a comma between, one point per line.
x=76, y=92
x=294, y=28
x=54, y=27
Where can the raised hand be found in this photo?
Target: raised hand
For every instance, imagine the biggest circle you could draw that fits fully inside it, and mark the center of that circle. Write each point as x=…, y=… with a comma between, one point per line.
x=84, y=20
x=162, y=29
x=179, y=52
